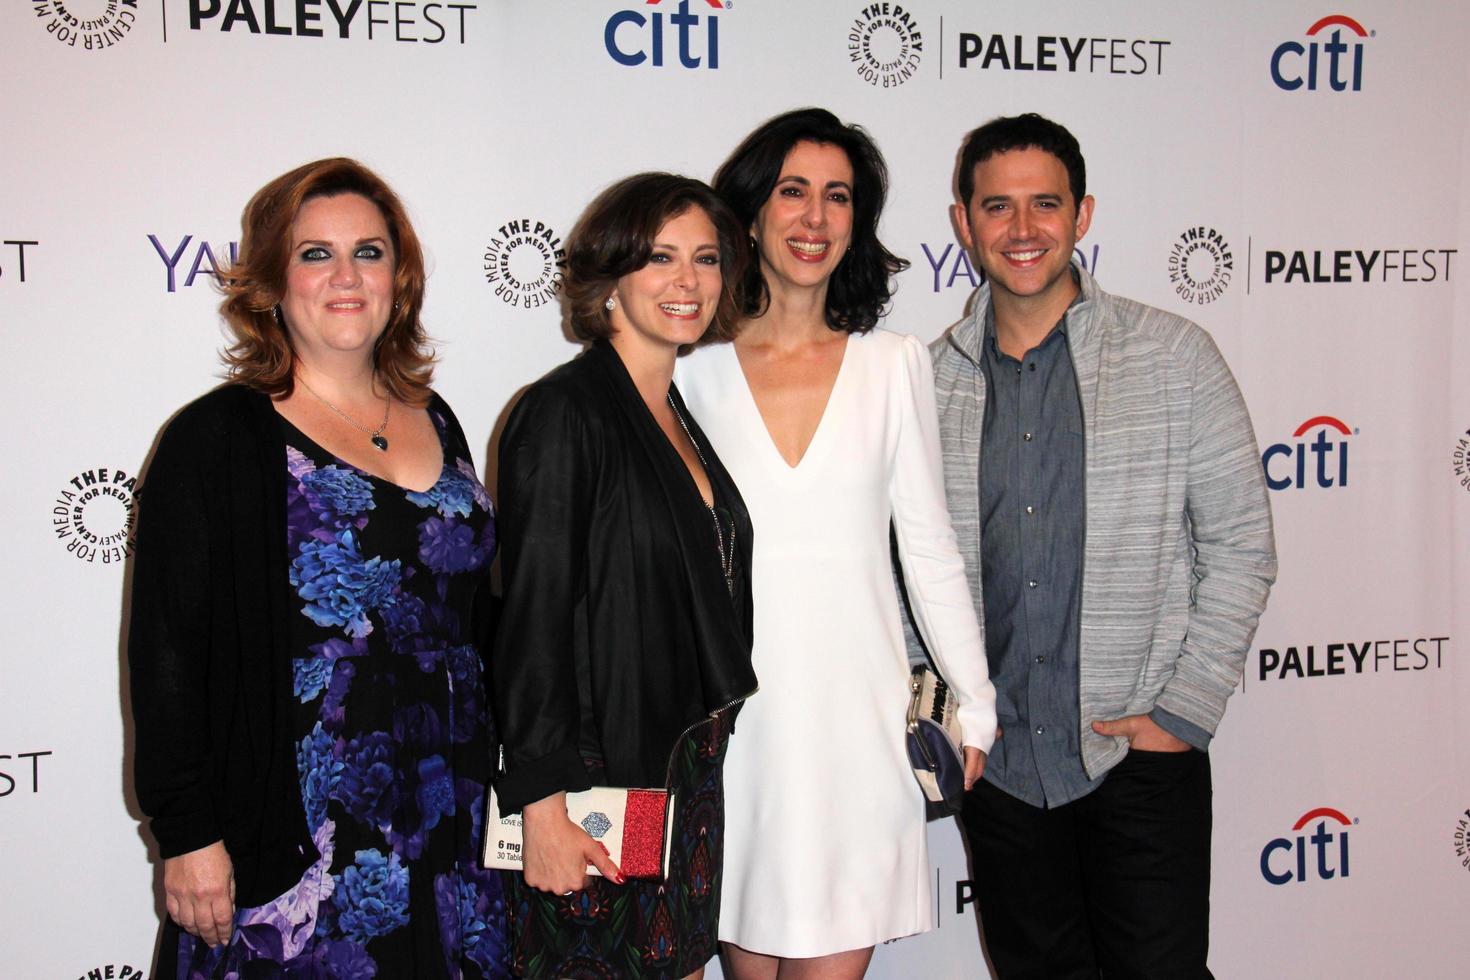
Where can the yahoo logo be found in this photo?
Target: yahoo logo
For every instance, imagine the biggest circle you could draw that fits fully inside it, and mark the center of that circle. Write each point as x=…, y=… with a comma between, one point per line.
x=952, y=264
x=203, y=259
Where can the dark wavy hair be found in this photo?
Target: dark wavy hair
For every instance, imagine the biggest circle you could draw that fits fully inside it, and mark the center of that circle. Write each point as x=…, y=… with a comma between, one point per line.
x=861, y=285
x=1023, y=132
x=615, y=237
x=261, y=355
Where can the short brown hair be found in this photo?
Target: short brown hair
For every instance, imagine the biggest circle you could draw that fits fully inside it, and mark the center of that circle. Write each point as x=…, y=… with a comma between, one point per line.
x=615, y=237
x=261, y=355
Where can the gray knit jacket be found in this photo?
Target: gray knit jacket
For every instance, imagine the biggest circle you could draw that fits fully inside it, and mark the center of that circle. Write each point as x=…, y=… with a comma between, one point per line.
x=1179, y=554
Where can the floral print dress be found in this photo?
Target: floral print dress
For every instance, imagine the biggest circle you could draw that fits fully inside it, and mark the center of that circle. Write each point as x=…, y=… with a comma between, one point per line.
x=394, y=749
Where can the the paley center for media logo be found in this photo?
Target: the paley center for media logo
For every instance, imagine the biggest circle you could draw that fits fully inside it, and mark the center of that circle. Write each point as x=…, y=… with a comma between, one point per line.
x=524, y=263
x=86, y=25
x=92, y=515
x=885, y=44
x=1201, y=265
x=1460, y=460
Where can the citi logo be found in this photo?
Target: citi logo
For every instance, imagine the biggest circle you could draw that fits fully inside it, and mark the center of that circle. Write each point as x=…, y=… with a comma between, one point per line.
x=1288, y=72
x=1286, y=466
x=632, y=38
x=1286, y=858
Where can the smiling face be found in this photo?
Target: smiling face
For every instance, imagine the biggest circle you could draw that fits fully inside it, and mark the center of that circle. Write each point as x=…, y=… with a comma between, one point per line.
x=670, y=301
x=803, y=230
x=1021, y=226
x=339, y=281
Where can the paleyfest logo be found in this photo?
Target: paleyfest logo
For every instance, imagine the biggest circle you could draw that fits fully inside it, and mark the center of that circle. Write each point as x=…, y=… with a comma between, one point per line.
x=88, y=24
x=399, y=21
x=885, y=44
x=24, y=773
x=16, y=269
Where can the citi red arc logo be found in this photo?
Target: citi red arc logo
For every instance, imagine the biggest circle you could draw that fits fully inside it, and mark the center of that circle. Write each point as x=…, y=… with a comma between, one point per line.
x=1285, y=463
x=1286, y=61
x=1286, y=858
x=633, y=39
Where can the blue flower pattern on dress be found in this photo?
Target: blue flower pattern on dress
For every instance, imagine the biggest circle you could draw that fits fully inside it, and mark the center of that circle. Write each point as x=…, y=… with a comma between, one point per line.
x=371, y=897
x=341, y=587
x=395, y=750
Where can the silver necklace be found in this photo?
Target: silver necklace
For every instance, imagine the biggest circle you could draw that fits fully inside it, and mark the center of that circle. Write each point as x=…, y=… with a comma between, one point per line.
x=375, y=436
x=727, y=557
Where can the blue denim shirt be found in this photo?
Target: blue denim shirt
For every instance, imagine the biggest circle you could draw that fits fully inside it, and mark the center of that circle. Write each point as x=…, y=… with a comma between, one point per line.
x=1031, y=511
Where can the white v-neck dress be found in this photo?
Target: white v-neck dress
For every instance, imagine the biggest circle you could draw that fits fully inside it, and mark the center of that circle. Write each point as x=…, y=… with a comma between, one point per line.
x=824, y=823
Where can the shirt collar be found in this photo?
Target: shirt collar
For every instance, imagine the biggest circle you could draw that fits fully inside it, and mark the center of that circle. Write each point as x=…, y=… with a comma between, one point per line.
x=989, y=342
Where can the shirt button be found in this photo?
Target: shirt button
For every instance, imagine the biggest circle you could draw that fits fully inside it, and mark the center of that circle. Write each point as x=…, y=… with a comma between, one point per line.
x=1033, y=365
x=1027, y=437
x=1018, y=372
x=1031, y=584
x=1030, y=509
x=1041, y=729
x=1041, y=658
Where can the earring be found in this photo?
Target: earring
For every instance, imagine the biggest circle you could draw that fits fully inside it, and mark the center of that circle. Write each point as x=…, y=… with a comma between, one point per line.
x=610, y=304
x=280, y=319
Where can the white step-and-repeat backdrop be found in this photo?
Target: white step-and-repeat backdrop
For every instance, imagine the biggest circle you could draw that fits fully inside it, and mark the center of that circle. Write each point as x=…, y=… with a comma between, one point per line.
x=1292, y=175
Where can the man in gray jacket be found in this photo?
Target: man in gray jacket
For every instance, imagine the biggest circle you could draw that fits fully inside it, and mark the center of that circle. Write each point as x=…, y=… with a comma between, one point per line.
x=1102, y=452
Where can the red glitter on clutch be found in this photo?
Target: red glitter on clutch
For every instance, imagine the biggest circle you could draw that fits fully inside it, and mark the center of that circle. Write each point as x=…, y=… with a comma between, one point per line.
x=645, y=834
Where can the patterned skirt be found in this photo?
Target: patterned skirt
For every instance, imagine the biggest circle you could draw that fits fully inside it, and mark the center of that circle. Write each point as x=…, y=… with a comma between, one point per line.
x=643, y=930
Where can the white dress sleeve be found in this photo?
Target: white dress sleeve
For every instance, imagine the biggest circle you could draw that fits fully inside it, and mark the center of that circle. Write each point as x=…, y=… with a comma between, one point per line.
x=933, y=570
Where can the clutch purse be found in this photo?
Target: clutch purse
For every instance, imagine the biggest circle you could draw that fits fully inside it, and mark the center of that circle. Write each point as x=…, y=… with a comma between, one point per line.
x=635, y=825
x=934, y=740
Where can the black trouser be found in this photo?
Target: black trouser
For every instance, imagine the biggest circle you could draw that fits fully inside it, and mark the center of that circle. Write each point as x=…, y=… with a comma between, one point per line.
x=1114, y=885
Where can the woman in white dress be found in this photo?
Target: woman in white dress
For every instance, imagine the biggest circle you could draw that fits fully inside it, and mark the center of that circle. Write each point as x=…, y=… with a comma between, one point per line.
x=830, y=430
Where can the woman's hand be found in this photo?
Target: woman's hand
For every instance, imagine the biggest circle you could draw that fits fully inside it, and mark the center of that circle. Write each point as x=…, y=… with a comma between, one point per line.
x=557, y=851
x=974, y=766
x=199, y=890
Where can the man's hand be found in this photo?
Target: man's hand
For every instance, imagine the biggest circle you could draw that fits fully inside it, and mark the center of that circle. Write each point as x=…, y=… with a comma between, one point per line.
x=974, y=766
x=1142, y=733
x=199, y=890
